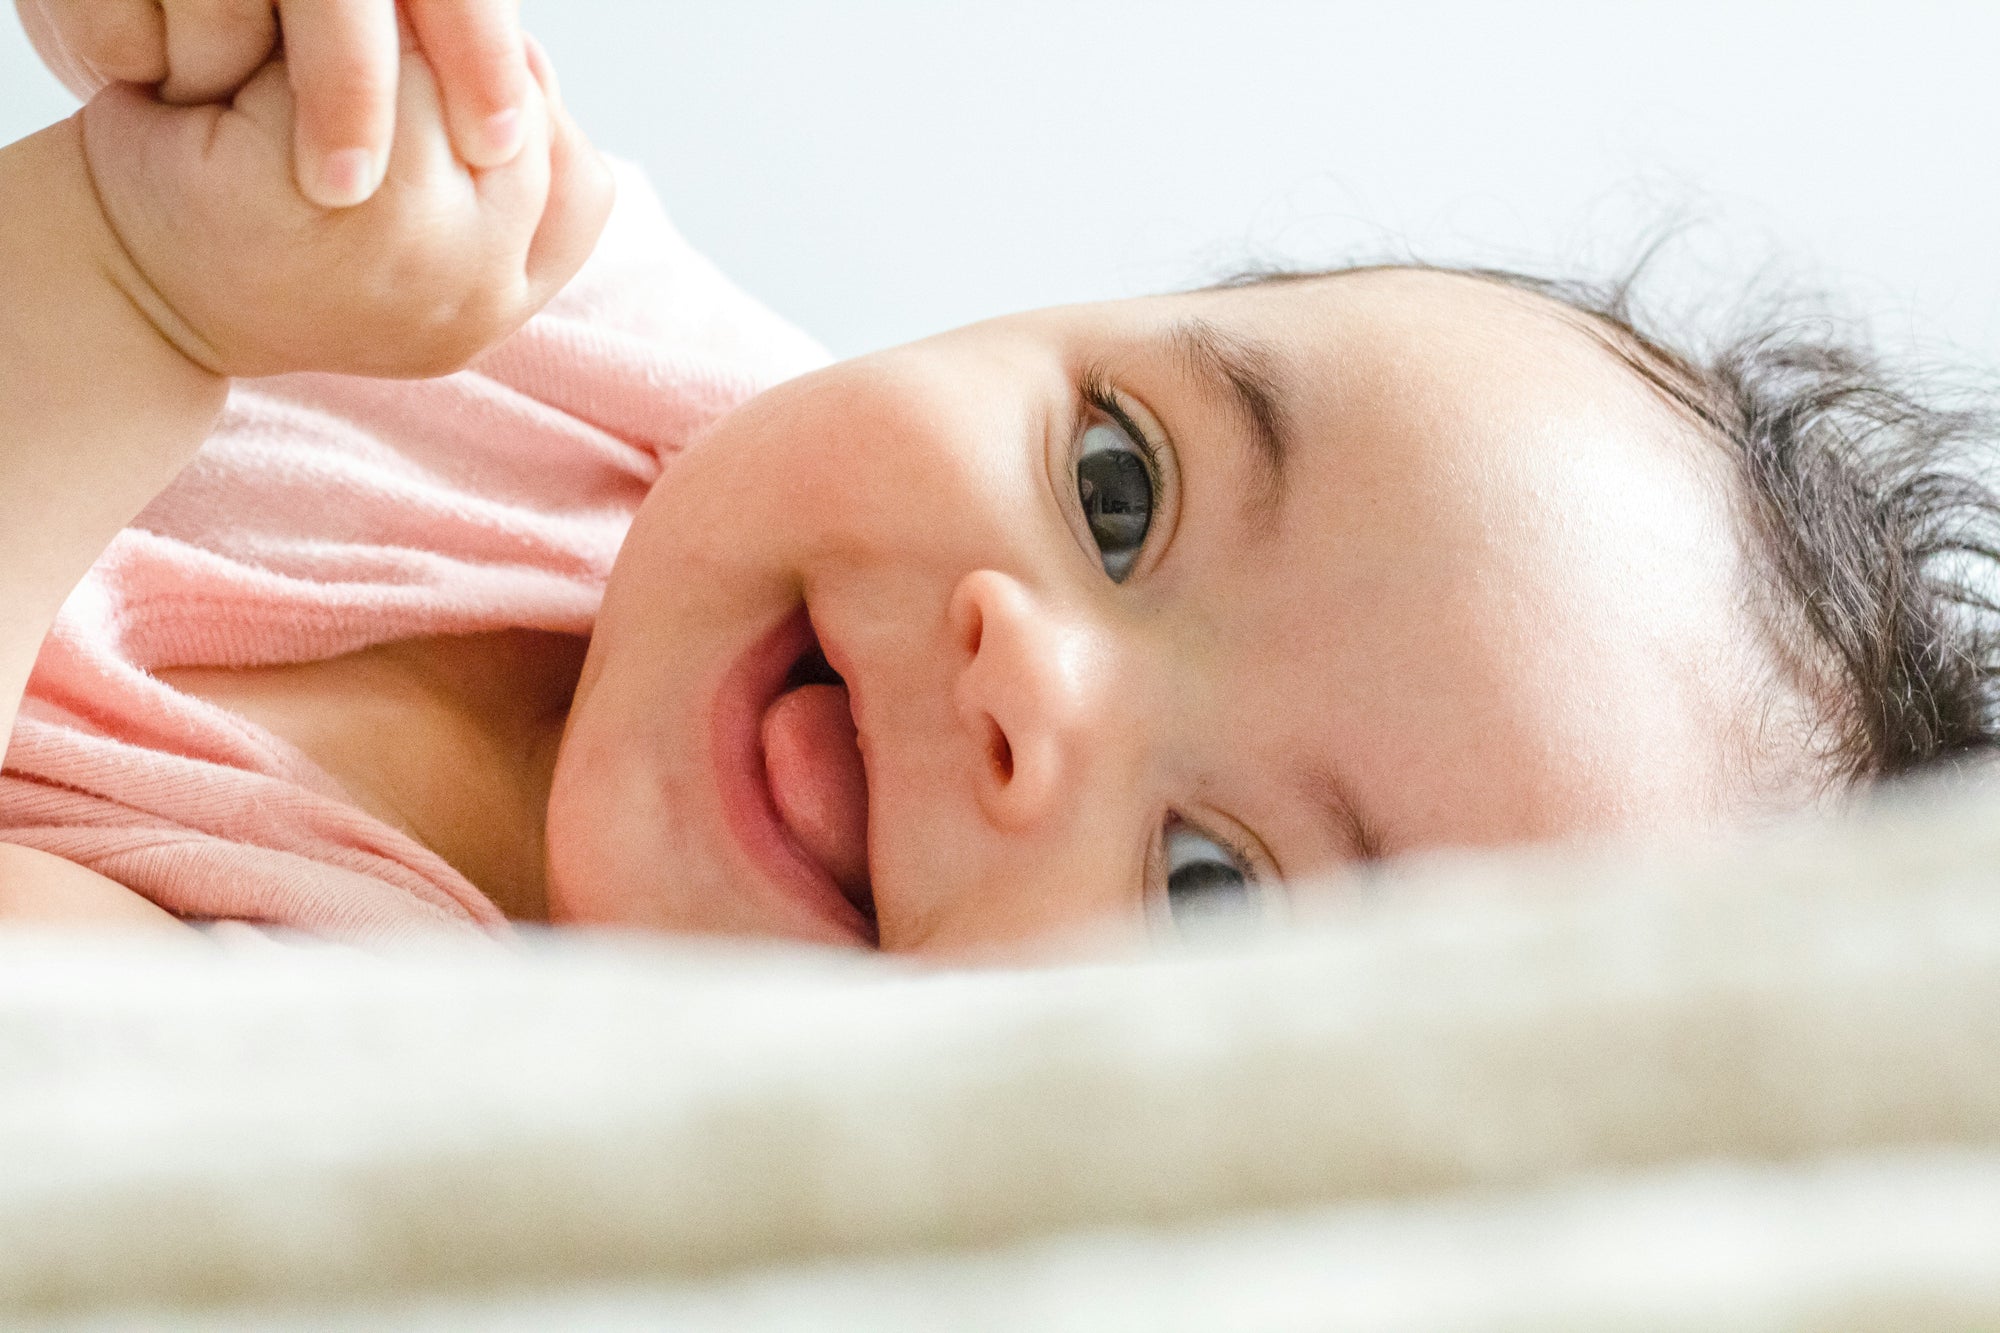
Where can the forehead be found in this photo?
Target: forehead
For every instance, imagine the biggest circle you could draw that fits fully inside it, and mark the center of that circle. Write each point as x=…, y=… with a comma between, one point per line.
x=1469, y=345
x=1504, y=409
x=1504, y=574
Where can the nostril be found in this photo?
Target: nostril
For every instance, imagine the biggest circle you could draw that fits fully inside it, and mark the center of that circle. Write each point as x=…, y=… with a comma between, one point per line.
x=999, y=753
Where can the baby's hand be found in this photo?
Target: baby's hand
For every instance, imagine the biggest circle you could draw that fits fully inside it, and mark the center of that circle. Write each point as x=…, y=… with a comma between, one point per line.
x=342, y=56
x=248, y=277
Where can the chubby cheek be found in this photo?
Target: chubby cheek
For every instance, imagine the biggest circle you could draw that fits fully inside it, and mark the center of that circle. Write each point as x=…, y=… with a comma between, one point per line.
x=915, y=472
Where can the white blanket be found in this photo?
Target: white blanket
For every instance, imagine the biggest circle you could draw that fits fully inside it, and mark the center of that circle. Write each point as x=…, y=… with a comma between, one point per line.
x=1750, y=1086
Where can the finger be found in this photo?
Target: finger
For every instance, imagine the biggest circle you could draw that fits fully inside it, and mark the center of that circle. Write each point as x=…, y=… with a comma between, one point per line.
x=581, y=192
x=541, y=68
x=475, y=48
x=342, y=55
x=48, y=44
x=421, y=148
x=89, y=43
x=214, y=46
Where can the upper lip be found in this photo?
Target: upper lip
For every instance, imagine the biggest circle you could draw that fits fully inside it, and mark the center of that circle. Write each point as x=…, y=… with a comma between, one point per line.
x=818, y=661
x=838, y=661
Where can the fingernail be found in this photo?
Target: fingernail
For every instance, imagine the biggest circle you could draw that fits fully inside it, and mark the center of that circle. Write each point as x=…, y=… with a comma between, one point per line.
x=346, y=177
x=500, y=137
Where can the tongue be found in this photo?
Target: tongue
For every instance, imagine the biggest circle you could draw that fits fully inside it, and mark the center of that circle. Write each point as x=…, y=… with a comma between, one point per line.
x=814, y=768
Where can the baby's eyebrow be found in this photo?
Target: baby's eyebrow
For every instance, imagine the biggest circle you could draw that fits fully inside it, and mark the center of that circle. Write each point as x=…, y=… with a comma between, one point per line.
x=1346, y=825
x=1240, y=372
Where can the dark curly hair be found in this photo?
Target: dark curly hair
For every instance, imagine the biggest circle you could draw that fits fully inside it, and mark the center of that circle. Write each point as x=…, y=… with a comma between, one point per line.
x=1867, y=501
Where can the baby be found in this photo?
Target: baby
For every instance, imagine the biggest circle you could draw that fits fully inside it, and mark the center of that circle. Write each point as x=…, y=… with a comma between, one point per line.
x=1094, y=619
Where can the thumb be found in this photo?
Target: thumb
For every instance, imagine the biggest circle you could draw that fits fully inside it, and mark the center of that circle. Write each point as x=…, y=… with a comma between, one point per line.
x=55, y=54
x=581, y=191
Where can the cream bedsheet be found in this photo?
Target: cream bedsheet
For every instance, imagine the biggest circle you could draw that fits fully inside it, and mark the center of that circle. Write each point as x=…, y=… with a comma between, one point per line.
x=1744, y=1086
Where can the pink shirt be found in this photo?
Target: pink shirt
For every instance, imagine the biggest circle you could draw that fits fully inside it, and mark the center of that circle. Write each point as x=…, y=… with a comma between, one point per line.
x=327, y=514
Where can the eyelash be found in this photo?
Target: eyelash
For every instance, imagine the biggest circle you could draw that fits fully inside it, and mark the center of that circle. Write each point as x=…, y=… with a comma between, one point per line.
x=1100, y=399
x=1098, y=393
x=1238, y=850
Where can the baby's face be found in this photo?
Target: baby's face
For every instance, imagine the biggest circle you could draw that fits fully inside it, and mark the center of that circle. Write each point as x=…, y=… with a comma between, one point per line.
x=1416, y=563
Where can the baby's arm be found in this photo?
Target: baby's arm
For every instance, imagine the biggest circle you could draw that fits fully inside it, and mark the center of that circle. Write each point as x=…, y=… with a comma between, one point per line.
x=98, y=410
x=97, y=413
x=149, y=252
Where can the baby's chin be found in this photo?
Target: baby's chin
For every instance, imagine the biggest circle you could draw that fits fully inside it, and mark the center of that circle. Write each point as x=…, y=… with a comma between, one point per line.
x=637, y=837
x=598, y=880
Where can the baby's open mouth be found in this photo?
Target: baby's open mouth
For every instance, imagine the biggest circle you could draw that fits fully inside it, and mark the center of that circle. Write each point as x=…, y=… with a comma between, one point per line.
x=812, y=761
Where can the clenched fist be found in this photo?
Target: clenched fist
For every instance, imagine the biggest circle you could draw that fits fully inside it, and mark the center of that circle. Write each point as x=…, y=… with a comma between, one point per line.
x=247, y=276
x=342, y=58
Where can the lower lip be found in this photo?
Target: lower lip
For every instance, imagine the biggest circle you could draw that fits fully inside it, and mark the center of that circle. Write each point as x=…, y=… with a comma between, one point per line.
x=737, y=742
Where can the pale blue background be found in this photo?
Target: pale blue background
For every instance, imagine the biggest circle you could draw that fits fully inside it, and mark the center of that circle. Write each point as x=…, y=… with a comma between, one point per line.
x=879, y=170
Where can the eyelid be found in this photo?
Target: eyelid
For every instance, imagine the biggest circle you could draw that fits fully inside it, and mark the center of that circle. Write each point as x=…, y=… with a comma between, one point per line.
x=1259, y=869
x=1256, y=867
x=1266, y=885
x=1098, y=398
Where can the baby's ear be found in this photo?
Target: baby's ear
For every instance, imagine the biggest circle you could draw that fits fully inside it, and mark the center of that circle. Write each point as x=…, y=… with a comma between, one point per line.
x=123, y=41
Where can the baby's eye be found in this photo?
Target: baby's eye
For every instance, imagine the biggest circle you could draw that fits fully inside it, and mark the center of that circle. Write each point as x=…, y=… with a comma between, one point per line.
x=1114, y=483
x=1206, y=881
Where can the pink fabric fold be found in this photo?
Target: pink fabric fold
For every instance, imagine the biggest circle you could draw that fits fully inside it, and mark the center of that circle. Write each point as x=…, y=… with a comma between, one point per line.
x=327, y=514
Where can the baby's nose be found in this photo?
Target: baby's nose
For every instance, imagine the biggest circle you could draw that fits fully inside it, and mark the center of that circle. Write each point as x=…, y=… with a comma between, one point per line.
x=1029, y=693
